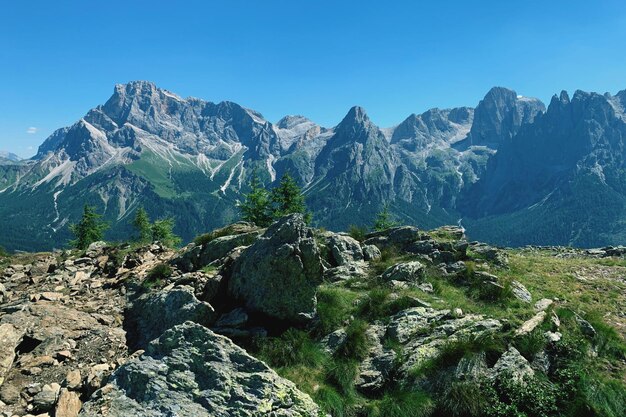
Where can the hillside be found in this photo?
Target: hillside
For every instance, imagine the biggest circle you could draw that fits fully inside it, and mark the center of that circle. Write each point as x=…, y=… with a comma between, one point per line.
x=192, y=159
x=297, y=321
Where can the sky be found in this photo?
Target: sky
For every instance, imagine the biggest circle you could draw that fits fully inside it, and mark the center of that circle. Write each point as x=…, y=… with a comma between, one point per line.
x=315, y=58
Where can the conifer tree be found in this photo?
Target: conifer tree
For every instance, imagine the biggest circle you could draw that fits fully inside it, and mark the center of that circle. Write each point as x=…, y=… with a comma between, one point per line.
x=256, y=205
x=162, y=231
x=143, y=226
x=89, y=229
x=383, y=220
x=287, y=198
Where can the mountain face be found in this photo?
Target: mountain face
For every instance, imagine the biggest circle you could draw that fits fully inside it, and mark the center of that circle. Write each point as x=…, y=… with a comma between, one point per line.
x=563, y=177
x=8, y=158
x=499, y=117
x=192, y=159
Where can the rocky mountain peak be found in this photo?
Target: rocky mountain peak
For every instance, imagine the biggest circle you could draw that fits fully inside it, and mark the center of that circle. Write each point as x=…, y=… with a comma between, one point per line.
x=289, y=121
x=500, y=115
x=356, y=115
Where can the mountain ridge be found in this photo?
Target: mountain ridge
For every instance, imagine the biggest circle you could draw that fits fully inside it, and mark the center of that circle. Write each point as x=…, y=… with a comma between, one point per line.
x=192, y=159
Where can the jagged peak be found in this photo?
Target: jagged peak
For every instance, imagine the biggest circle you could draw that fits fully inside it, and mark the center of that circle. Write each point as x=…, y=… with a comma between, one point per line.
x=356, y=116
x=500, y=91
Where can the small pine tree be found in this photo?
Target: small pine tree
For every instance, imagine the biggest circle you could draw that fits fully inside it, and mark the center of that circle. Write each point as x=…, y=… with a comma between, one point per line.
x=287, y=198
x=143, y=226
x=256, y=205
x=90, y=229
x=383, y=220
x=162, y=231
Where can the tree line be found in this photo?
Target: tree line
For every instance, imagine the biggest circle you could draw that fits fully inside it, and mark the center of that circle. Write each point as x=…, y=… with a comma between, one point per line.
x=260, y=206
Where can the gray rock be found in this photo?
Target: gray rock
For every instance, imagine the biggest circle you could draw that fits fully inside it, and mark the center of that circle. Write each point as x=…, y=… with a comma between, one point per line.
x=199, y=256
x=331, y=342
x=399, y=237
x=47, y=397
x=586, y=327
x=371, y=253
x=424, y=332
x=235, y=318
x=472, y=367
x=344, y=249
x=543, y=304
x=531, y=324
x=520, y=292
x=344, y=272
x=375, y=370
x=512, y=365
x=152, y=314
x=191, y=371
x=409, y=272
x=278, y=275
x=10, y=337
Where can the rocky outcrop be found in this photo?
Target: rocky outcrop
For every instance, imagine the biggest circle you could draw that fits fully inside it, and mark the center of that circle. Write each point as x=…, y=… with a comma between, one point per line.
x=424, y=332
x=226, y=239
x=399, y=237
x=344, y=249
x=512, y=365
x=278, y=275
x=153, y=313
x=413, y=272
x=189, y=371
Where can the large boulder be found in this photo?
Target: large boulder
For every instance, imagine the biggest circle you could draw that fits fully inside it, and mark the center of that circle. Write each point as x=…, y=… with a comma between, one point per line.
x=407, y=271
x=153, y=313
x=278, y=275
x=217, y=248
x=424, y=333
x=399, y=237
x=344, y=249
x=191, y=371
x=512, y=365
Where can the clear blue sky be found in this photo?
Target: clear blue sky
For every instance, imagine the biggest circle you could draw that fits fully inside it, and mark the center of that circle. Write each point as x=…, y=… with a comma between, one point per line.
x=316, y=58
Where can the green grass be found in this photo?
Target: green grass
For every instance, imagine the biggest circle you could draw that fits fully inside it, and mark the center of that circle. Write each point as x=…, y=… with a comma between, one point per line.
x=334, y=306
x=157, y=275
x=583, y=386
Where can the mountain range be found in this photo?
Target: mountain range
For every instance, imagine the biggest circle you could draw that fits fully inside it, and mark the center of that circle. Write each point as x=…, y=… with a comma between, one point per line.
x=510, y=170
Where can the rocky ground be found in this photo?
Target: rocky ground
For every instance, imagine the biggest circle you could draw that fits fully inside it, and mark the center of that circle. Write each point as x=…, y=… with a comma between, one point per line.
x=293, y=321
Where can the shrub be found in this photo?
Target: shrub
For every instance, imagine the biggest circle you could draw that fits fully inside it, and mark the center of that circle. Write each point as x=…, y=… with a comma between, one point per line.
x=534, y=397
x=3, y=252
x=388, y=257
x=157, y=275
x=357, y=232
x=205, y=238
x=530, y=344
x=463, y=398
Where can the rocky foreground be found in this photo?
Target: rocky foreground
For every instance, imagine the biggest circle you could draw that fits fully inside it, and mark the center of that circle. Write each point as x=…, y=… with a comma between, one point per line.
x=150, y=331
